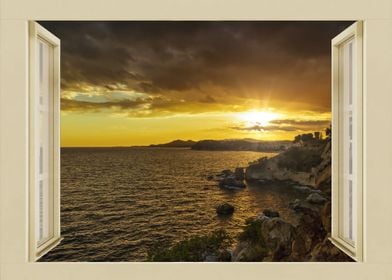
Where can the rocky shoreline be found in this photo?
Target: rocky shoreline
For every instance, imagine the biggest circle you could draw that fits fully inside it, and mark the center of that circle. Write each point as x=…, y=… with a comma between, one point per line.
x=307, y=239
x=268, y=237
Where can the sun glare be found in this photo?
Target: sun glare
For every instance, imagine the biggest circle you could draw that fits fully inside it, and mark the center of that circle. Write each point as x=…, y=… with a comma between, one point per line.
x=258, y=117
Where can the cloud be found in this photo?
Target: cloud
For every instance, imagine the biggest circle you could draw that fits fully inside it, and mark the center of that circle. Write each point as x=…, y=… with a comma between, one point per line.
x=200, y=62
x=85, y=106
x=207, y=99
x=301, y=123
x=287, y=125
x=267, y=128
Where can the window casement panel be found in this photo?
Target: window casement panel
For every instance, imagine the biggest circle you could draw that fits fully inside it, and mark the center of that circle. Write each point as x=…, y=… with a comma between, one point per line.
x=347, y=189
x=44, y=182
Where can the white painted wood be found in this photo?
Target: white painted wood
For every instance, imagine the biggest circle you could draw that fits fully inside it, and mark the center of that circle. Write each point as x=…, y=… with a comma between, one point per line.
x=44, y=146
x=347, y=182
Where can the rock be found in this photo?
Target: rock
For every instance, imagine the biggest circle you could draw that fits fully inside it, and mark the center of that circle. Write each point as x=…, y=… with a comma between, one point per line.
x=302, y=189
x=227, y=173
x=248, y=252
x=225, y=209
x=261, y=217
x=270, y=213
x=300, y=206
x=225, y=256
x=309, y=230
x=220, y=256
x=316, y=198
x=265, y=239
x=326, y=216
x=239, y=173
x=327, y=252
x=231, y=183
x=278, y=236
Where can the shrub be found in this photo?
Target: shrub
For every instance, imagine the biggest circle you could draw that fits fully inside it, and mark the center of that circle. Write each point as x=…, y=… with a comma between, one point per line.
x=300, y=159
x=193, y=249
x=257, y=249
x=252, y=231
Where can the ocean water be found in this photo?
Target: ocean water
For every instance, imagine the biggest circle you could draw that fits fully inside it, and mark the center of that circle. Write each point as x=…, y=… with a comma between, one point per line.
x=116, y=203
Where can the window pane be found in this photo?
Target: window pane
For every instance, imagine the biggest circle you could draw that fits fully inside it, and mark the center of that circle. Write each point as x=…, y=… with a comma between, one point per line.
x=43, y=142
x=348, y=143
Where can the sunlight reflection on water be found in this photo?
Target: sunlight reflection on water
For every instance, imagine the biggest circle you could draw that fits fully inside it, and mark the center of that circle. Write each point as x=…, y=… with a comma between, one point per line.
x=117, y=203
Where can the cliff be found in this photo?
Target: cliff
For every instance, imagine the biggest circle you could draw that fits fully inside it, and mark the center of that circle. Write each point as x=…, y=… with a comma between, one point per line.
x=242, y=145
x=270, y=238
x=305, y=165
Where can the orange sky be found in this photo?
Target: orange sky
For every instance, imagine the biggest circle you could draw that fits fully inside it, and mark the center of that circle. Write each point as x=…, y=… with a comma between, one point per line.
x=140, y=83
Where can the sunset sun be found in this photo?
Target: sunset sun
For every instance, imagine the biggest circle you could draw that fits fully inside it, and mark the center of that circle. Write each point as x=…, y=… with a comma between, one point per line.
x=258, y=117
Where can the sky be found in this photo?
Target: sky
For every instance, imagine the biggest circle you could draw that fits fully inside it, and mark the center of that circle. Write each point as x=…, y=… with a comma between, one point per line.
x=139, y=83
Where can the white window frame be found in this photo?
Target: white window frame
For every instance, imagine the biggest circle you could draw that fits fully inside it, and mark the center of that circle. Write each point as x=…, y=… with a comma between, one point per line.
x=14, y=119
x=37, y=32
x=353, y=250
x=354, y=32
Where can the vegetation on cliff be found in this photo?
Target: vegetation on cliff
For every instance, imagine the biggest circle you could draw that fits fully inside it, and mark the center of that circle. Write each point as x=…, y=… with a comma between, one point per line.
x=212, y=247
x=300, y=159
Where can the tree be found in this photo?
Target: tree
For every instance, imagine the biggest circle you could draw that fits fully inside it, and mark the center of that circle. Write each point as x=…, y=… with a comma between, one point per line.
x=328, y=131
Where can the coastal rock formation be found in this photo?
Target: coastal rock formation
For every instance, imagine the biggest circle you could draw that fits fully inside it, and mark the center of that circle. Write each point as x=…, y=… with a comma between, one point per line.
x=239, y=173
x=271, y=213
x=316, y=198
x=265, y=239
x=225, y=209
x=230, y=180
x=270, y=238
x=242, y=145
x=231, y=183
x=306, y=165
x=274, y=239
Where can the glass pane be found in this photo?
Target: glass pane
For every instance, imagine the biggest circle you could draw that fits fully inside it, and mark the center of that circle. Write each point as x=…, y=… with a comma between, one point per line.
x=348, y=144
x=43, y=143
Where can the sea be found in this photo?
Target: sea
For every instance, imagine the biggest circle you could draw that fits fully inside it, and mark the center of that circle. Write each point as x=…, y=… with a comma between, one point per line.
x=119, y=203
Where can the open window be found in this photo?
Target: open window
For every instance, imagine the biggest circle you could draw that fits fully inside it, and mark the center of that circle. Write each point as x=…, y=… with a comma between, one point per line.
x=347, y=202
x=44, y=186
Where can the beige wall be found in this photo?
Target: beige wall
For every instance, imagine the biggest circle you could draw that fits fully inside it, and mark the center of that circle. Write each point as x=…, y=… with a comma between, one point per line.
x=377, y=16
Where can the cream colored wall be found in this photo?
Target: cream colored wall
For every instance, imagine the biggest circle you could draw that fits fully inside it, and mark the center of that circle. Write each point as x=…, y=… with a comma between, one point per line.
x=14, y=134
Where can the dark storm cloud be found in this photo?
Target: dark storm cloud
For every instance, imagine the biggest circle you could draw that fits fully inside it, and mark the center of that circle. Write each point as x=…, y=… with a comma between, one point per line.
x=77, y=105
x=201, y=61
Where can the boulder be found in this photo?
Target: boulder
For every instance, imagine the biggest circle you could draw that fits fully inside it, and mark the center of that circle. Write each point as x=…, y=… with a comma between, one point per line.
x=249, y=252
x=239, y=173
x=301, y=206
x=278, y=236
x=316, y=198
x=302, y=189
x=270, y=213
x=231, y=183
x=327, y=252
x=326, y=216
x=225, y=209
x=219, y=256
x=309, y=230
x=227, y=173
x=305, y=189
